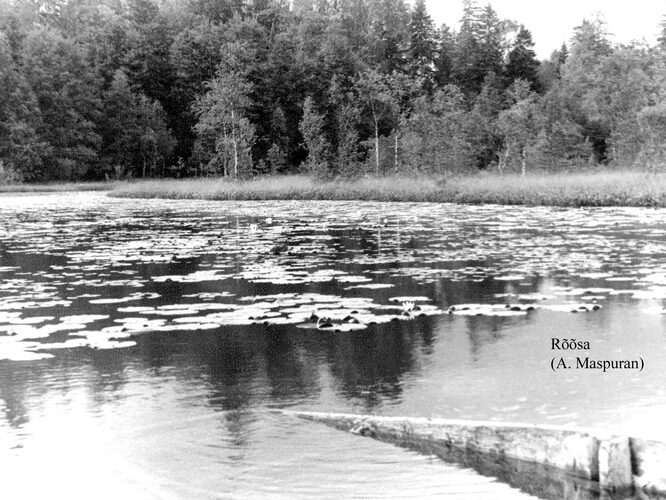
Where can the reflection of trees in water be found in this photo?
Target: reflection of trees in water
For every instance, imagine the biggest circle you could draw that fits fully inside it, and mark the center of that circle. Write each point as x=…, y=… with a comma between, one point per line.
x=16, y=387
x=238, y=368
x=224, y=367
x=242, y=368
x=292, y=373
x=107, y=375
x=482, y=330
x=24, y=386
x=231, y=367
x=371, y=365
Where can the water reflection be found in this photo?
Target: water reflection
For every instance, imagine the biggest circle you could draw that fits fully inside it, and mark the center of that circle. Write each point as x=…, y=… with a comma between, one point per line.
x=185, y=281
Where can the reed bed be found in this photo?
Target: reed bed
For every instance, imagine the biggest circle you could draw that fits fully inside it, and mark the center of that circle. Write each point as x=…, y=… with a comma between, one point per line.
x=56, y=187
x=592, y=188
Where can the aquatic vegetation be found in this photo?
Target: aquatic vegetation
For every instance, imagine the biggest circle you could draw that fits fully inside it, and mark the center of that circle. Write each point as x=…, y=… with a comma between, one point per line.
x=130, y=298
x=595, y=188
x=487, y=310
x=354, y=313
x=370, y=286
x=196, y=266
x=572, y=307
x=518, y=309
x=21, y=351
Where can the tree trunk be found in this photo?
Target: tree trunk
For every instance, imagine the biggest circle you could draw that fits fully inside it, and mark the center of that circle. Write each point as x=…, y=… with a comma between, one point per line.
x=395, y=152
x=522, y=161
x=502, y=160
x=233, y=139
x=374, y=116
x=225, y=161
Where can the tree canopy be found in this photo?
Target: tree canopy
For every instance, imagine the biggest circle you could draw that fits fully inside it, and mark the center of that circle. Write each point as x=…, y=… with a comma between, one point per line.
x=95, y=89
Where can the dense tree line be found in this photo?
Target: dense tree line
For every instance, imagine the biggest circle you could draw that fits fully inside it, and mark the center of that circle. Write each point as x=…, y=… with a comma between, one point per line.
x=114, y=88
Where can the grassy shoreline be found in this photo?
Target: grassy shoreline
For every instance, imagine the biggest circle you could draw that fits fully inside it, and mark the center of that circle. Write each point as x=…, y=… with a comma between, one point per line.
x=57, y=187
x=595, y=188
x=590, y=188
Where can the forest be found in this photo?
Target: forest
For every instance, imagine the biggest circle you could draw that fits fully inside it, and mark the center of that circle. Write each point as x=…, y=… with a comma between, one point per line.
x=116, y=89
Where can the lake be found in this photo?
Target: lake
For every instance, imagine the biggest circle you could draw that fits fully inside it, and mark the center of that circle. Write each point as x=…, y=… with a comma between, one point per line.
x=143, y=341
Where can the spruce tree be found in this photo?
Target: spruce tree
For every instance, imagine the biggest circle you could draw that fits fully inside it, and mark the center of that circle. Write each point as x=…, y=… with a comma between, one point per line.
x=491, y=35
x=423, y=43
x=445, y=56
x=315, y=142
x=521, y=61
x=466, y=72
x=134, y=133
x=68, y=92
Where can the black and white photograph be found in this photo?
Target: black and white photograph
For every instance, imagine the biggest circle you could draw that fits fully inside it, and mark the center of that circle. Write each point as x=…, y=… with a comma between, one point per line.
x=332, y=249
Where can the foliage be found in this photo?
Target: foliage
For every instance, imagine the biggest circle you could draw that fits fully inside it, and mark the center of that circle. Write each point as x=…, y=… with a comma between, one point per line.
x=90, y=89
x=315, y=142
x=136, y=138
x=224, y=133
x=522, y=63
x=518, y=127
x=436, y=138
x=66, y=87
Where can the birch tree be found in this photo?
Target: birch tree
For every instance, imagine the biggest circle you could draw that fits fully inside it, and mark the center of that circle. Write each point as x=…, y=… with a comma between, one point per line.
x=224, y=133
x=518, y=127
x=379, y=99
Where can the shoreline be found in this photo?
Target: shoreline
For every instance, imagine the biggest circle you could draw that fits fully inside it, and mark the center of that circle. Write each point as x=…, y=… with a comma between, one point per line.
x=589, y=189
x=56, y=187
x=595, y=188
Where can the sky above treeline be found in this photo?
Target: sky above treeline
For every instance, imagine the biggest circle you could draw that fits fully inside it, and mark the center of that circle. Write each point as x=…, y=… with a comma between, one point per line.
x=552, y=21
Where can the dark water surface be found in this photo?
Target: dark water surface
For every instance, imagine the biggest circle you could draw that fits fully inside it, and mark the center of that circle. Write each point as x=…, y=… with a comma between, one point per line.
x=141, y=341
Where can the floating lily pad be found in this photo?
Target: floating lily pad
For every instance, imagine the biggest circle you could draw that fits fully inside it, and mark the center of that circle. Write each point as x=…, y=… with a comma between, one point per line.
x=409, y=299
x=195, y=277
x=488, y=310
x=208, y=295
x=129, y=298
x=509, y=277
x=573, y=308
x=132, y=309
x=34, y=320
x=370, y=286
x=23, y=355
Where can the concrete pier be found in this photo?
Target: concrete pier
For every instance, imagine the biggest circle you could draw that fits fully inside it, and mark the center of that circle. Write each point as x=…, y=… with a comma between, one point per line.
x=548, y=461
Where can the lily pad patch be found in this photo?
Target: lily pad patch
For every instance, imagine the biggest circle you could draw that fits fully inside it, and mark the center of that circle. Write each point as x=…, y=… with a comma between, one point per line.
x=573, y=308
x=485, y=310
x=409, y=299
x=370, y=286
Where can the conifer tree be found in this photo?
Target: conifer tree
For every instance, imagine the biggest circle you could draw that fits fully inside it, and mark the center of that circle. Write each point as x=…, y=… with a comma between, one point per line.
x=445, y=56
x=423, y=43
x=315, y=142
x=521, y=61
x=21, y=150
x=67, y=91
x=134, y=133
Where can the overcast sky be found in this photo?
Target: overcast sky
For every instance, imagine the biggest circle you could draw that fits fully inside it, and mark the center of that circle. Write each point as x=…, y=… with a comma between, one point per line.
x=552, y=22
